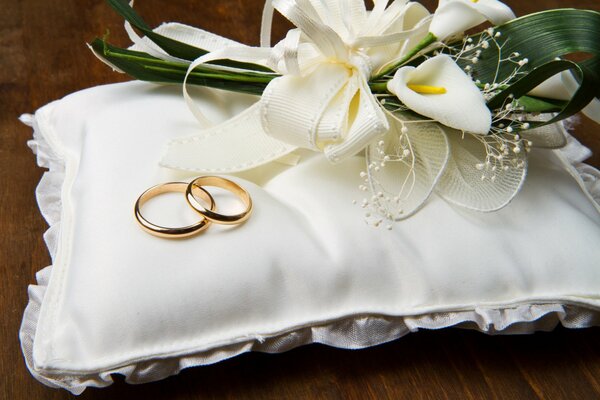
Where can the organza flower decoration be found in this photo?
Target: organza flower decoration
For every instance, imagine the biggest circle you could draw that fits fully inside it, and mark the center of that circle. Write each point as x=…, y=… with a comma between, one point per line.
x=417, y=158
x=454, y=154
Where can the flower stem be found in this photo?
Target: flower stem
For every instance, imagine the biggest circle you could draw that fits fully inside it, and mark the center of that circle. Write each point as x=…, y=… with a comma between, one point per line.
x=378, y=87
x=214, y=74
x=427, y=40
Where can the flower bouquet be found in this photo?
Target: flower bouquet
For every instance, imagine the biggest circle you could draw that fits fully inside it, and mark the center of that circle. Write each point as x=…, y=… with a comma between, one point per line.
x=434, y=109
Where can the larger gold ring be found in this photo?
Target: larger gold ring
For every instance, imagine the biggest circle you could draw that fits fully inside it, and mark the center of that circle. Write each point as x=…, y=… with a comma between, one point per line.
x=171, y=233
x=222, y=183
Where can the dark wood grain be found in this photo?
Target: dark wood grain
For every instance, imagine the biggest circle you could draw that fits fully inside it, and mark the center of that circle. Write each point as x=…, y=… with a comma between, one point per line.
x=43, y=57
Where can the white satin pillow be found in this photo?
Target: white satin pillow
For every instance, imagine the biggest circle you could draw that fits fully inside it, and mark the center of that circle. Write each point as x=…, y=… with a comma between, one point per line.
x=305, y=268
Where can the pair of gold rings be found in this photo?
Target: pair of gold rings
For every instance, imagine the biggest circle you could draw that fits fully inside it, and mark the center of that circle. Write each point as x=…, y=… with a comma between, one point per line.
x=194, y=191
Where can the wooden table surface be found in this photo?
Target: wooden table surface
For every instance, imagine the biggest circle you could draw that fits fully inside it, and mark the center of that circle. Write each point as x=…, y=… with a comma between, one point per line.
x=43, y=57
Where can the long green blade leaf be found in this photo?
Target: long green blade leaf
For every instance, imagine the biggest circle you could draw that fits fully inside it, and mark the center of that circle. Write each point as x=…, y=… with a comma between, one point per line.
x=173, y=47
x=147, y=68
x=580, y=99
x=539, y=37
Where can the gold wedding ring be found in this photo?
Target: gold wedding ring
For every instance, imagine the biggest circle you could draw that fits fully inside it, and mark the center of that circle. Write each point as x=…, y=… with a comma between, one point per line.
x=210, y=214
x=173, y=233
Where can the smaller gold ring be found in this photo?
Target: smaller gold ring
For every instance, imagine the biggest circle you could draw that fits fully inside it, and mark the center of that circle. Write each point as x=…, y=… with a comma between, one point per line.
x=171, y=233
x=222, y=183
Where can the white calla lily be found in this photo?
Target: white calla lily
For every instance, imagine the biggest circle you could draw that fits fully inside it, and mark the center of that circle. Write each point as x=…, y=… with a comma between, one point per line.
x=456, y=16
x=440, y=90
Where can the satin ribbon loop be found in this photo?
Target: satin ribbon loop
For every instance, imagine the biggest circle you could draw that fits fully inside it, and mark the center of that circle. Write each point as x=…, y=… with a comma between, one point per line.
x=307, y=20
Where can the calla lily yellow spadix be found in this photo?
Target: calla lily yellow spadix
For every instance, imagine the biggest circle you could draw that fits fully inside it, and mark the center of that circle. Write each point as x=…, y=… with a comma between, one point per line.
x=457, y=102
x=425, y=89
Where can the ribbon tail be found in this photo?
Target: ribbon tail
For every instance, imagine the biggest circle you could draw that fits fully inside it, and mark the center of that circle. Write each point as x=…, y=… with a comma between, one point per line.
x=146, y=45
x=195, y=36
x=236, y=145
x=266, y=24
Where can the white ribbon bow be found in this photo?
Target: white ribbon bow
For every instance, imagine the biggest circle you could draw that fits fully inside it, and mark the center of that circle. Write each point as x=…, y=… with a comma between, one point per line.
x=322, y=100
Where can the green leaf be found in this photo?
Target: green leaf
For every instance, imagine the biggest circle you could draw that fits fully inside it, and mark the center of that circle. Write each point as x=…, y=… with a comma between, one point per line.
x=173, y=47
x=148, y=68
x=580, y=99
x=532, y=104
x=539, y=37
x=593, y=66
x=545, y=39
